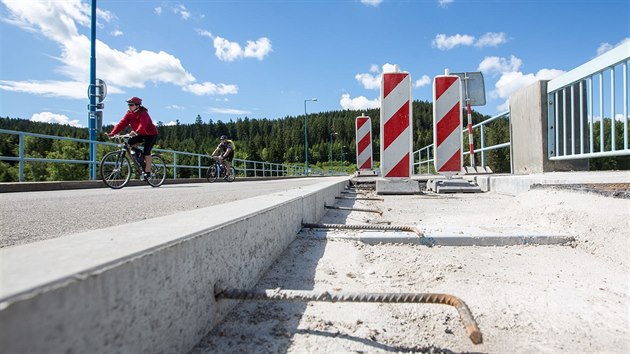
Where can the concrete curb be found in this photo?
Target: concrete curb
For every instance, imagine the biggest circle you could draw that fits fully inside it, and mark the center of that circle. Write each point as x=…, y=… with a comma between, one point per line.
x=517, y=184
x=374, y=238
x=147, y=287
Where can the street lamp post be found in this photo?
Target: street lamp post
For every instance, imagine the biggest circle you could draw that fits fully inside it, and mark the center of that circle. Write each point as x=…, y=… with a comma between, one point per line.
x=330, y=155
x=306, y=136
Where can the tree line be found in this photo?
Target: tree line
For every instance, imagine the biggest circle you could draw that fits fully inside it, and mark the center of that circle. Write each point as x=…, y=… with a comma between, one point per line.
x=331, y=140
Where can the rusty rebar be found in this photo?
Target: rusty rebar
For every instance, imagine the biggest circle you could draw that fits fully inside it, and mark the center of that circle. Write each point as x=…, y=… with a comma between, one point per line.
x=305, y=295
x=354, y=209
x=366, y=227
x=360, y=198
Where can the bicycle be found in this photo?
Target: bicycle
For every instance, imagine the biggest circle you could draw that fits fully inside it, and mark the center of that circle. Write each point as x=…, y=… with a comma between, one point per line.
x=116, y=168
x=217, y=169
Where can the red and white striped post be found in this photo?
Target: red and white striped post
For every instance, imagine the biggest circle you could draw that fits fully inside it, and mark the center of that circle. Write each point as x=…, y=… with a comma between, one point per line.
x=396, y=125
x=364, y=142
x=447, y=124
x=470, y=134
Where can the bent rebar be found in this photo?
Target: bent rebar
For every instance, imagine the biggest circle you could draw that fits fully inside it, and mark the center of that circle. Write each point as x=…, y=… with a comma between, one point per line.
x=360, y=198
x=365, y=227
x=304, y=295
x=354, y=209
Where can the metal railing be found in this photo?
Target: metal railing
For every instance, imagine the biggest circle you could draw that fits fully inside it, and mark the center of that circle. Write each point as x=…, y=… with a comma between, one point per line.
x=244, y=168
x=422, y=164
x=588, y=108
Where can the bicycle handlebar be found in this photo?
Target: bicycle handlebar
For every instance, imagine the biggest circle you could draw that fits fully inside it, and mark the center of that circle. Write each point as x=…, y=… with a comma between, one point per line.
x=121, y=137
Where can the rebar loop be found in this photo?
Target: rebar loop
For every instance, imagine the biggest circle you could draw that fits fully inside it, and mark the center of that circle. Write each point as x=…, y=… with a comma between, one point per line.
x=354, y=209
x=360, y=198
x=304, y=295
x=366, y=227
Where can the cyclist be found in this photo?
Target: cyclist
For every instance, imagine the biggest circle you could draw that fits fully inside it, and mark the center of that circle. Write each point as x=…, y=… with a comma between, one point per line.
x=142, y=129
x=226, y=150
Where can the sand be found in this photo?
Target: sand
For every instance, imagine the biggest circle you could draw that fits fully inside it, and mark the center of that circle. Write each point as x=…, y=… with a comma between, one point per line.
x=571, y=298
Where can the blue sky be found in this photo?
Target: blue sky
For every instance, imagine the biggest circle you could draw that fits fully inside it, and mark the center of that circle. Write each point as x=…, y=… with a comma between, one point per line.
x=262, y=58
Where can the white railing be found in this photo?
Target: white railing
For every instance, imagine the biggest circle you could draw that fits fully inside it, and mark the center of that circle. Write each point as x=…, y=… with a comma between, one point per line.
x=588, y=108
x=423, y=157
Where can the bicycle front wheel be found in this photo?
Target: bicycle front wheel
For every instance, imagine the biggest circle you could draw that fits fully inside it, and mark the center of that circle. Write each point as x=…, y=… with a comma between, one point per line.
x=232, y=175
x=213, y=173
x=115, y=169
x=158, y=171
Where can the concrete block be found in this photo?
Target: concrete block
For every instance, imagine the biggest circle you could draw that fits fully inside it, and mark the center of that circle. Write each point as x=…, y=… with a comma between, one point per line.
x=146, y=287
x=365, y=173
x=397, y=186
x=529, y=135
x=453, y=185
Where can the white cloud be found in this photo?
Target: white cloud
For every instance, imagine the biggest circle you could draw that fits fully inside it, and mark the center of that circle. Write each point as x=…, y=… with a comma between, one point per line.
x=444, y=3
x=158, y=11
x=60, y=89
x=116, y=33
x=369, y=81
x=176, y=107
x=204, y=33
x=258, y=49
x=373, y=81
x=358, y=103
x=229, y=51
x=489, y=39
x=58, y=20
x=443, y=42
x=181, y=11
x=604, y=47
x=390, y=68
x=374, y=3
x=511, y=79
x=171, y=123
x=497, y=65
x=48, y=117
x=228, y=111
x=423, y=81
x=210, y=89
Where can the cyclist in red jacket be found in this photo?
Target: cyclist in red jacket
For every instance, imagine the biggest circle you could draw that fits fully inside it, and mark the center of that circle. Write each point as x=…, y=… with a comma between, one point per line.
x=142, y=128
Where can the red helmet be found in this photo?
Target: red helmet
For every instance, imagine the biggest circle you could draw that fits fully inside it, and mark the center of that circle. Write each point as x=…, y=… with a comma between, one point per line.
x=135, y=100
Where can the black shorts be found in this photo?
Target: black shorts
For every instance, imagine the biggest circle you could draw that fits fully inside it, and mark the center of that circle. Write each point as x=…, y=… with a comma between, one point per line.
x=149, y=141
x=230, y=156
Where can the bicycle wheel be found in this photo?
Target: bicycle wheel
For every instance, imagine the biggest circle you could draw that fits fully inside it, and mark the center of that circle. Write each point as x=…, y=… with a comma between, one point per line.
x=115, y=169
x=213, y=173
x=158, y=171
x=232, y=175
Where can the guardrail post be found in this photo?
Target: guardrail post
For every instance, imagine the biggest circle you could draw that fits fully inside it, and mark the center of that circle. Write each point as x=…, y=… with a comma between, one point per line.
x=21, y=154
x=174, y=165
x=483, y=153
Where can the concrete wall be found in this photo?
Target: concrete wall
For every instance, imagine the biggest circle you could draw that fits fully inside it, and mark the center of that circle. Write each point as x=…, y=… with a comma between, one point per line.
x=528, y=130
x=146, y=287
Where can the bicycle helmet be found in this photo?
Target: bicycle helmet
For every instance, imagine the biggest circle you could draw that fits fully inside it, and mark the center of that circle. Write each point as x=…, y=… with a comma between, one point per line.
x=223, y=137
x=135, y=100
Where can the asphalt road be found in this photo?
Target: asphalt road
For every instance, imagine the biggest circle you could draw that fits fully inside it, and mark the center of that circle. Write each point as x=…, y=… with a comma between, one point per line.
x=36, y=216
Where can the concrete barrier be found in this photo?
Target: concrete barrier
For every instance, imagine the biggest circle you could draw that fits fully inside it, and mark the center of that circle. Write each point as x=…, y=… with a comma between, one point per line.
x=146, y=287
x=517, y=184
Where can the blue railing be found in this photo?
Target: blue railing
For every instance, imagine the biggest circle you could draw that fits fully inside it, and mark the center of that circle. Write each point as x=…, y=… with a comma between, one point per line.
x=423, y=157
x=245, y=168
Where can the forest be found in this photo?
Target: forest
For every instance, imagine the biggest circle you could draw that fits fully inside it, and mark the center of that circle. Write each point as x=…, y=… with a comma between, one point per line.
x=271, y=140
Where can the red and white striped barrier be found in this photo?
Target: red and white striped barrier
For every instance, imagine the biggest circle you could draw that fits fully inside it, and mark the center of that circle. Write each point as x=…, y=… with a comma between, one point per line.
x=447, y=124
x=396, y=125
x=364, y=142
